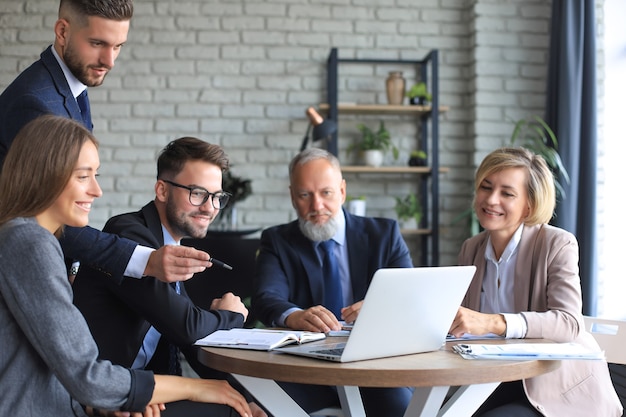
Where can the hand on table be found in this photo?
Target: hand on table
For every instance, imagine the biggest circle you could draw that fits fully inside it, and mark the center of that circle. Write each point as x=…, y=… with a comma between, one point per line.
x=314, y=319
x=476, y=323
x=172, y=263
x=350, y=313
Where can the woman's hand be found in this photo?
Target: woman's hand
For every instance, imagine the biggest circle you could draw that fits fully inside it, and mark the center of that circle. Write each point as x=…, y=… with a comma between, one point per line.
x=478, y=324
x=257, y=411
x=220, y=392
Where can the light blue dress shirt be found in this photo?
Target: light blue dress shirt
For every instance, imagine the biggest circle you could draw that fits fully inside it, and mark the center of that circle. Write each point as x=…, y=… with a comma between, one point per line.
x=152, y=337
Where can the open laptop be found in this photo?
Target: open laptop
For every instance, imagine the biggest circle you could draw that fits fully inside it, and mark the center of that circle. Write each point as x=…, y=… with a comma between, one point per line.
x=405, y=310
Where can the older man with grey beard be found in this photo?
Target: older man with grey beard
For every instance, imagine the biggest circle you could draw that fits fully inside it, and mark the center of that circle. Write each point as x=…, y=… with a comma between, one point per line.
x=315, y=271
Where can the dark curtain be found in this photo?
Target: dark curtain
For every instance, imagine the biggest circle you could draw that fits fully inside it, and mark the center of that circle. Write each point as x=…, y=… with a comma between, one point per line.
x=571, y=112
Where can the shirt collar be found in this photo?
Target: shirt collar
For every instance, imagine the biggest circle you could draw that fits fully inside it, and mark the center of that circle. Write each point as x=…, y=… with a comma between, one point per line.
x=167, y=238
x=76, y=86
x=510, y=247
x=340, y=234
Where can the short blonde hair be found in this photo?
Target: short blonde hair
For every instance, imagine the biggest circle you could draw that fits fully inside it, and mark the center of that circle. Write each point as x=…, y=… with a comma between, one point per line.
x=540, y=186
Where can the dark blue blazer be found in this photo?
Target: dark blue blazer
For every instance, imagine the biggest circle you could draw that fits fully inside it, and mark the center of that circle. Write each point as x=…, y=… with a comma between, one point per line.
x=42, y=89
x=289, y=274
x=39, y=89
x=119, y=316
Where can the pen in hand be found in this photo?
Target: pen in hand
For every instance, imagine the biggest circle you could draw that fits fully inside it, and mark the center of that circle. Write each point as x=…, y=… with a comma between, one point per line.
x=220, y=263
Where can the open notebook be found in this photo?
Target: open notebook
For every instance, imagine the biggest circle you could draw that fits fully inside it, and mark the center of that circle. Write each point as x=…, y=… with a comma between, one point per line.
x=405, y=310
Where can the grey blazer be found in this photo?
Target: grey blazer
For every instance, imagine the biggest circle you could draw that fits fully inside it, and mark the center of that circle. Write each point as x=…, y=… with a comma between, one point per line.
x=548, y=295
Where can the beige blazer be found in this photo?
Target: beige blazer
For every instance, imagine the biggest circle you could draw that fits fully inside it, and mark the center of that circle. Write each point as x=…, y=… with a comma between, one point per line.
x=548, y=295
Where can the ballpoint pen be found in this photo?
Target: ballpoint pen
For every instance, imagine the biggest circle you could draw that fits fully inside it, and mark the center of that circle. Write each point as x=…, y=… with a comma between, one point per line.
x=220, y=263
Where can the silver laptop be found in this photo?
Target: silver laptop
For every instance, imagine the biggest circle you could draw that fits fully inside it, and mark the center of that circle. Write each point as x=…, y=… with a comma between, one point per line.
x=405, y=310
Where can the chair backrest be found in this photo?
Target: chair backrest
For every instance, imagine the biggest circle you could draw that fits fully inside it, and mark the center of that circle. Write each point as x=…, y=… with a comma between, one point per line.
x=610, y=335
x=238, y=252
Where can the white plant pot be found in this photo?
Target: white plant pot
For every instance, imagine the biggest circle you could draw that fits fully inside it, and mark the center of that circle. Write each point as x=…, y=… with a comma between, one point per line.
x=408, y=223
x=373, y=158
x=356, y=207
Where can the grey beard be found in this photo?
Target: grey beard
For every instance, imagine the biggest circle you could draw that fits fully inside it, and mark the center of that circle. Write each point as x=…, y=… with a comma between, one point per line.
x=318, y=233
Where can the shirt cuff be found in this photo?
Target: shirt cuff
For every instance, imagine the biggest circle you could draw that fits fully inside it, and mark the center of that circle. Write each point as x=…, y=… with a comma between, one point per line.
x=138, y=262
x=281, y=320
x=515, y=326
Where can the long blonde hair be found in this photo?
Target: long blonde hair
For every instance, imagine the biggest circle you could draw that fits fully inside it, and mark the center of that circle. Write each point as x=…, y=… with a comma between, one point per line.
x=39, y=165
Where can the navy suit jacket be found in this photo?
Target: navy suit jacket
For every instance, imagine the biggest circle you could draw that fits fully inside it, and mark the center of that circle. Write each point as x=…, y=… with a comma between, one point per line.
x=42, y=89
x=289, y=274
x=119, y=316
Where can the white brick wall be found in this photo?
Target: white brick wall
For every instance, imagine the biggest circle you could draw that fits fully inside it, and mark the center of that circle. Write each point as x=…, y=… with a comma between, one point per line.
x=241, y=74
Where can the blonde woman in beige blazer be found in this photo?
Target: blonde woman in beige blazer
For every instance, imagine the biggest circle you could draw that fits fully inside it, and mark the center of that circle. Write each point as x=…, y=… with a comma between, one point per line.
x=527, y=286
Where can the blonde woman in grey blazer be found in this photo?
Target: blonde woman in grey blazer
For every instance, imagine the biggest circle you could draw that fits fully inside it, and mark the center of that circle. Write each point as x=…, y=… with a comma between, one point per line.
x=527, y=286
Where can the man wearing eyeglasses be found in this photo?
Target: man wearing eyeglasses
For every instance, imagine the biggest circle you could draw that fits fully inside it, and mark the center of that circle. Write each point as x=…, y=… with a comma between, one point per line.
x=143, y=323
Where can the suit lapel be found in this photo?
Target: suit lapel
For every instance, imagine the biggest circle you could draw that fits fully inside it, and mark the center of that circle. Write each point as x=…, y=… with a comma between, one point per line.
x=358, y=255
x=153, y=222
x=305, y=250
x=62, y=86
x=472, y=298
x=525, y=267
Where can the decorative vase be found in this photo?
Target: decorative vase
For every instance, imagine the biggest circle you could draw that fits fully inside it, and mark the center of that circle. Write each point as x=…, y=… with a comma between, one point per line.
x=395, y=88
x=373, y=157
x=233, y=218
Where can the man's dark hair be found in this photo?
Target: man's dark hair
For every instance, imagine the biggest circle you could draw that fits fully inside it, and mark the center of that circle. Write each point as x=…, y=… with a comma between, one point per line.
x=173, y=157
x=118, y=10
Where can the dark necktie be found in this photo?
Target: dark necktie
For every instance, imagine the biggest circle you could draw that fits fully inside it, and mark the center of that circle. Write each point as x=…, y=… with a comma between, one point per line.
x=174, y=361
x=85, y=110
x=332, y=283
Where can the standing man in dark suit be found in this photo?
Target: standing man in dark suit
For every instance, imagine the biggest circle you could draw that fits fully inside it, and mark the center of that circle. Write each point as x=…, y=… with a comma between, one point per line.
x=88, y=39
x=141, y=324
x=290, y=286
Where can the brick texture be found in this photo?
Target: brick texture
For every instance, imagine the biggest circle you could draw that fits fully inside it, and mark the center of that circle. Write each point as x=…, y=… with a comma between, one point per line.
x=241, y=74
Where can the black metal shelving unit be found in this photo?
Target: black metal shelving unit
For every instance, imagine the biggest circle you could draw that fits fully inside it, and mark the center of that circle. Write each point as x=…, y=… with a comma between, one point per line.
x=428, y=124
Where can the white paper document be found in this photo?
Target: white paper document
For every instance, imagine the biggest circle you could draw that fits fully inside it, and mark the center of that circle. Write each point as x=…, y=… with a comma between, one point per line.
x=526, y=351
x=468, y=336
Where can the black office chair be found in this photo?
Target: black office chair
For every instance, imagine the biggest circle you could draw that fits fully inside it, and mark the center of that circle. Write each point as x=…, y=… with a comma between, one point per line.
x=214, y=282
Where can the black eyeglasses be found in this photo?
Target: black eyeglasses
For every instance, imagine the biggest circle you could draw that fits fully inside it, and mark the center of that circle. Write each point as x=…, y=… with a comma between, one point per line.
x=199, y=196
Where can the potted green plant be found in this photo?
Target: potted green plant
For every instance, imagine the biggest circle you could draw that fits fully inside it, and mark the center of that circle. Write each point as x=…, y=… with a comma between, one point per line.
x=536, y=136
x=418, y=158
x=408, y=209
x=374, y=144
x=356, y=205
x=240, y=189
x=418, y=94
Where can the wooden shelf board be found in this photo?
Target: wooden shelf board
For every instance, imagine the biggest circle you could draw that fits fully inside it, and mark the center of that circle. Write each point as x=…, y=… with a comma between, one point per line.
x=410, y=232
x=391, y=169
x=382, y=108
